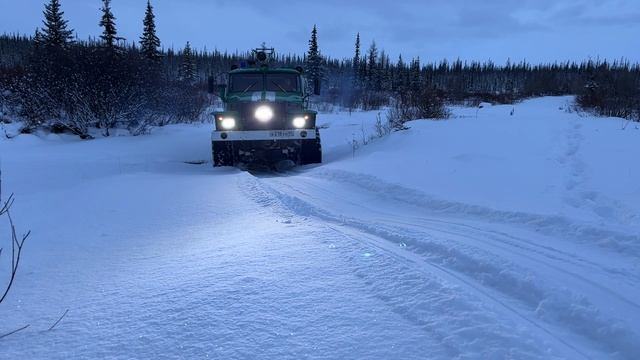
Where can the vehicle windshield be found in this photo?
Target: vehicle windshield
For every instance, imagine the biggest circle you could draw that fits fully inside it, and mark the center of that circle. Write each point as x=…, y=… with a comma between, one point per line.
x=287, y=83
x=282, y=82
x=246, y=82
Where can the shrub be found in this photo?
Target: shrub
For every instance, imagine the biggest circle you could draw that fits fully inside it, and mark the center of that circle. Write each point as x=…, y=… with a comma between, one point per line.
x=423, y=103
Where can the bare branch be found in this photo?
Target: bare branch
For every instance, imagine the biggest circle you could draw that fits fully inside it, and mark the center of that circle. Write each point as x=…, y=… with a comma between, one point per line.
x=13, y=332
x=7, y=205
x=56, y=323
x=16, y=245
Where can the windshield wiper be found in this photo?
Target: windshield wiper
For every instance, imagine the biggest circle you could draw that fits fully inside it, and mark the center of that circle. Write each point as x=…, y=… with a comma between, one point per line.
x=249, y=87
x=278, y=85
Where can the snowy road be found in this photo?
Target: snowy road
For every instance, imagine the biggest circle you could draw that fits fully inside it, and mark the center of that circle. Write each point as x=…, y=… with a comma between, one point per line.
x=497, y=266
x=364, y=257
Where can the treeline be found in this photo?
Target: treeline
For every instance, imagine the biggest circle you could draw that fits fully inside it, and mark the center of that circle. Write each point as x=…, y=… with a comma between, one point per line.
x=607, y=88
x=55, y=81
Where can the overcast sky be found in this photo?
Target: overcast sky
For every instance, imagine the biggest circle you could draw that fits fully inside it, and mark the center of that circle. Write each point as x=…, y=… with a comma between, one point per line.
x=536, y=30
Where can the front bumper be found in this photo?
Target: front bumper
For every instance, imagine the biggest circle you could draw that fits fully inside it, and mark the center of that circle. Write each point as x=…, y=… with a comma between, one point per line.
x=262, y=135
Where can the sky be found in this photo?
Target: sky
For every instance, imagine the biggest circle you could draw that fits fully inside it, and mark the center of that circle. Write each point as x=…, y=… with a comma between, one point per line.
x=497, y=30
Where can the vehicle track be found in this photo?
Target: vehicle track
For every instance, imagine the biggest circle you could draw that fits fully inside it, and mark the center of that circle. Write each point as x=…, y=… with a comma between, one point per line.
x=458, y=240
x=517, y=246
x=524, y=256
x=625, y=241
x=525, y=251
x=554, y=253
x=271, y=198
x=431, y=268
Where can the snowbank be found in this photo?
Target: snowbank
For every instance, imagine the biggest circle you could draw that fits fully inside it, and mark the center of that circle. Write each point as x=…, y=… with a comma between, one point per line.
x=503, y=232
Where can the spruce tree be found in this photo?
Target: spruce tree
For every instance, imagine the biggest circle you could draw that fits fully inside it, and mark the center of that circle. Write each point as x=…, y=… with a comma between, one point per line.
x=356, y=61
x=314, y=60
x=108, y=23
x=188, y=67
x=372, y=65
x=149, y=42
x=55, y=33
x=400, y=77
x=415, y=79
x=38, y=41
x=356, y=58
x=382, y=82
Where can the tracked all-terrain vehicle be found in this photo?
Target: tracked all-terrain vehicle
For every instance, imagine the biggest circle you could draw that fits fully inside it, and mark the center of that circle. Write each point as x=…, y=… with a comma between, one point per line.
x=266, y=119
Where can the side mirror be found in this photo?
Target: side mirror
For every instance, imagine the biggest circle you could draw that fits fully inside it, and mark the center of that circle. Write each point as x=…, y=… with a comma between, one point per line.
x=211, y=84
x=222, y=91
x=316, y=87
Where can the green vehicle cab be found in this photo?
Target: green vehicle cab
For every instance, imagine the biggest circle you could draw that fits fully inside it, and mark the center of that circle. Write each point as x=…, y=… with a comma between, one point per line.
x=266, y=120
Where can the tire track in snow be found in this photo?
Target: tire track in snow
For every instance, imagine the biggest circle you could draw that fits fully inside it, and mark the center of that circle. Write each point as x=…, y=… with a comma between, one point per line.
x=469, y=266
x=432, y=268
x=553, y=254
x=523, y=249
x=462, y=325
x=526, y=257
x=558, y=227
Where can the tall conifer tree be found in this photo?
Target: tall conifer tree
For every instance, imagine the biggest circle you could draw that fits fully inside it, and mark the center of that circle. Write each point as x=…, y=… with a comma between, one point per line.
x=372, y=65
x=149, y=42
x=55, y=33
x=356, y=58
x=314, y=60
x=188, y=66
x=108, y=23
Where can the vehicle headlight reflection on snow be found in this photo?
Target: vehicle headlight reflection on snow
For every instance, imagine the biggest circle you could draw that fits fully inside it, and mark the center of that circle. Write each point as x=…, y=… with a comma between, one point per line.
x=264, y=113
x=299, y=122
x=228, y=123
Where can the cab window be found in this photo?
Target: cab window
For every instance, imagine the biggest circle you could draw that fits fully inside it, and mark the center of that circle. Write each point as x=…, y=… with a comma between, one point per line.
x=246, y=82
x=287, y=83
x=282, y=82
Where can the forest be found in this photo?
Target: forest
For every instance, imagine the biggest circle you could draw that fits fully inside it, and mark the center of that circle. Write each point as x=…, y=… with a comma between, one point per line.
x=51, y=80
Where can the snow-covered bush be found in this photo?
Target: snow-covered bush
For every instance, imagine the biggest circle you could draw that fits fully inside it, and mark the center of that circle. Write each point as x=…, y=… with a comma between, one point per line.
x=371, y=100
x=611, y=95
x=179, y=101
x=382, y=127
x=89, y=87
x=4, y=108
x=422, y=103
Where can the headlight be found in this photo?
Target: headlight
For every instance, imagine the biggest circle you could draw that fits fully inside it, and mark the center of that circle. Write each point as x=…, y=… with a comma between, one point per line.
x=228, y=123
x=299, y=122
x=264, y=113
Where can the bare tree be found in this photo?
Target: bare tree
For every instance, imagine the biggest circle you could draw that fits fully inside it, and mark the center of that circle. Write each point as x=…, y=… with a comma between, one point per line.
x=17, y=243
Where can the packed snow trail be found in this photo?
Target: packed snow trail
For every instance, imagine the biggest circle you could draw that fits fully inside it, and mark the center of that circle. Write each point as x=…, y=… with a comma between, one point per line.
x=488, y=261
x=364, y=257
x=191, y=281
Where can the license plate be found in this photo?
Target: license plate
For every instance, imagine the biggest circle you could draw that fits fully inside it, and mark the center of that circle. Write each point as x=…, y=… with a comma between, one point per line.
x=282, y=134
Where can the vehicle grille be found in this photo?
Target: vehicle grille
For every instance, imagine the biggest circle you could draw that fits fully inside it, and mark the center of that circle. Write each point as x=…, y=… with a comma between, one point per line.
x=249, y=122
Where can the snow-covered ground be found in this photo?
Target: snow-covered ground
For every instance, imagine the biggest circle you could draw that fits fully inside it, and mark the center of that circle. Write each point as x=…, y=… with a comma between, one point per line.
x=486, y=236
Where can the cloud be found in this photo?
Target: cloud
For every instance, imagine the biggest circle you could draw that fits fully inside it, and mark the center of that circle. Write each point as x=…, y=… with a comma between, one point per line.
x=540, y=30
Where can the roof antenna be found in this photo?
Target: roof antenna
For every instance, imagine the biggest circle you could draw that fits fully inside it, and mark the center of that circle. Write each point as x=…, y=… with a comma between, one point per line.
x=264, y=54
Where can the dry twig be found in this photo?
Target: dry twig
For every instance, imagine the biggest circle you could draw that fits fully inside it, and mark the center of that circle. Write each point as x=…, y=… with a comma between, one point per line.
x=57, y=322
x=13, y=332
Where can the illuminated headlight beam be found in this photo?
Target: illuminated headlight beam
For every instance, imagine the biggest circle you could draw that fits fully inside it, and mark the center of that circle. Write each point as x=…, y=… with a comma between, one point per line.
x=228, y=123
x=299, y=122
x=264, y=113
